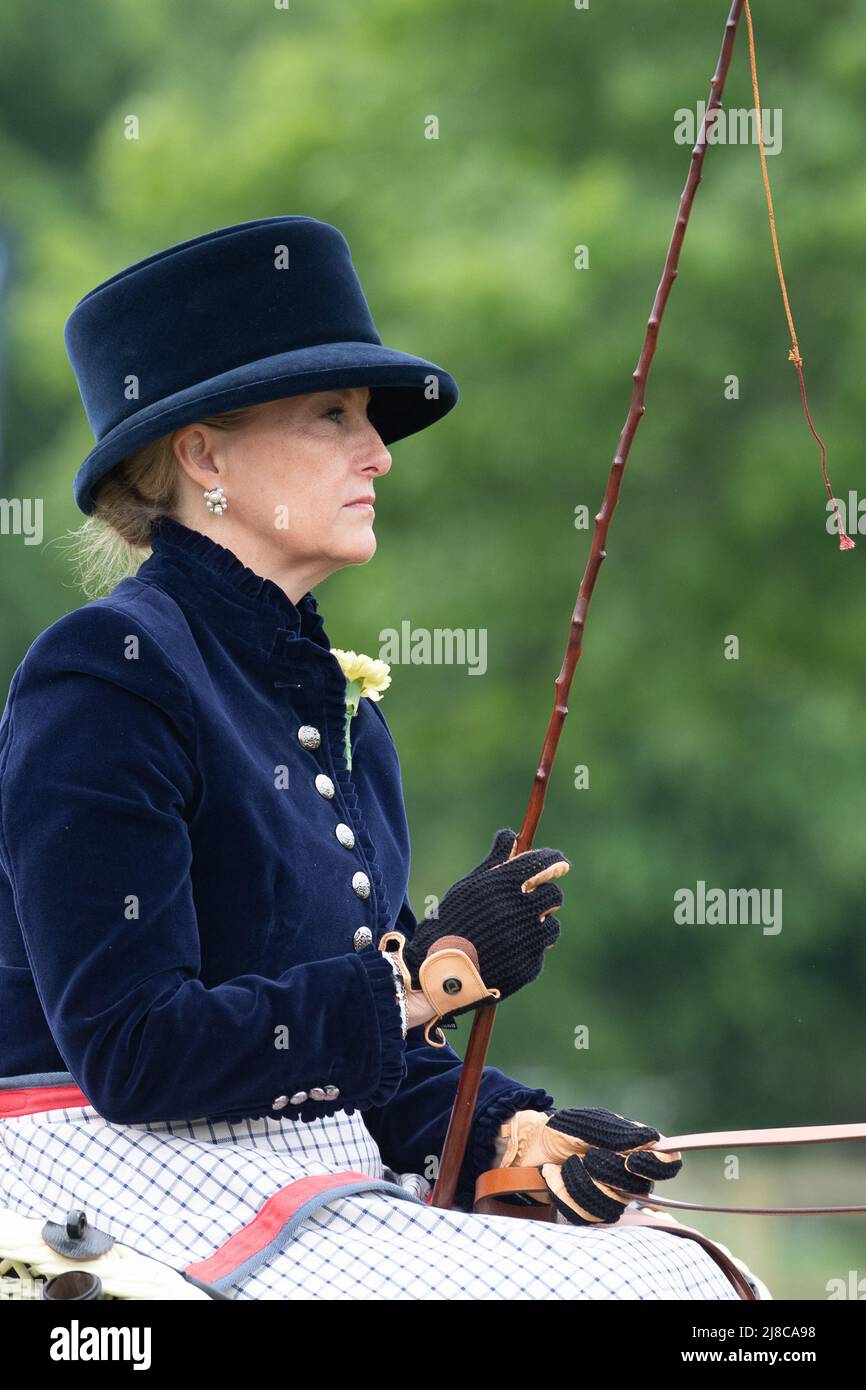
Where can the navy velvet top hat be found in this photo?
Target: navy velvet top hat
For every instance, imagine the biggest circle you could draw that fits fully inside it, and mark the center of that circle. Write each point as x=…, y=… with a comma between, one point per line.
x=238, y=316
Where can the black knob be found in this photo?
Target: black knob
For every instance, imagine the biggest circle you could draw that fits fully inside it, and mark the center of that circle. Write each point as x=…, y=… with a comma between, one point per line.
x=76, y=1223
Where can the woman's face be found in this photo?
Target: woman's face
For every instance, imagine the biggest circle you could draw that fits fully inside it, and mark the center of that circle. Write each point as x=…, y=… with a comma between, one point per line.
x=292, y=474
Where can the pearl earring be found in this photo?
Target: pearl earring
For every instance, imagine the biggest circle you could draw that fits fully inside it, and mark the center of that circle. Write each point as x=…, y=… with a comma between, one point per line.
x=216, y=500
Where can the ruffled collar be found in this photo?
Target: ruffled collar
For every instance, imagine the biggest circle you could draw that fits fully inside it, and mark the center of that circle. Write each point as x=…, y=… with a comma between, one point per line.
x=220, y=580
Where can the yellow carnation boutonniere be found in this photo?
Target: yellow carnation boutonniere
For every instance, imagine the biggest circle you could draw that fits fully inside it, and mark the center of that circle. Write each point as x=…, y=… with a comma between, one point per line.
x=366, y=677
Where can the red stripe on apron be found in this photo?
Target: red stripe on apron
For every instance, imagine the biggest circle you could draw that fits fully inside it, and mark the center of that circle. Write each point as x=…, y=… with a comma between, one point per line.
x=30, y=1100
x=267, y=1223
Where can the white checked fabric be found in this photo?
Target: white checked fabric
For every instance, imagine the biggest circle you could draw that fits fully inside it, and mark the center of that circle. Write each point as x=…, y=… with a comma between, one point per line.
x=177, y=1191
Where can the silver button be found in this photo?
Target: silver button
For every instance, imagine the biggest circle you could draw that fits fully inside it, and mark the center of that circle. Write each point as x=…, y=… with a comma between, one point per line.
x=298, y=1098
x=331, y=1092
x=280, y=1103
x=346, y=835
x=361, y=884
x=363, y=937
x=324, y=785
x=317, y=1093
x=309, y=736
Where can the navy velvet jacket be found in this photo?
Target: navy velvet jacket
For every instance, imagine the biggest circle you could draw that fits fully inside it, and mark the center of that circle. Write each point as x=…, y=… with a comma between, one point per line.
x=184, y=885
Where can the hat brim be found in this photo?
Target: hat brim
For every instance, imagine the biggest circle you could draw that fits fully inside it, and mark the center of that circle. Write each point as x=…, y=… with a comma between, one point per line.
x=401, y=402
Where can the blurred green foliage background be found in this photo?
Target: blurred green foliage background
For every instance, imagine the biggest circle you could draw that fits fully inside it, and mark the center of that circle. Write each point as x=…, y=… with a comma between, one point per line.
x=556, y=129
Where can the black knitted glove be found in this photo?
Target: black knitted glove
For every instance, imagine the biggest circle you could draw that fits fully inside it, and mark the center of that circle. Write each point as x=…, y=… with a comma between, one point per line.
x=488, y=908
x=613, y=1140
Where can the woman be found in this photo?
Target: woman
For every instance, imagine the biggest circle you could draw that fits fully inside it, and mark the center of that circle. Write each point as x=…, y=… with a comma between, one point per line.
x=205, y=1045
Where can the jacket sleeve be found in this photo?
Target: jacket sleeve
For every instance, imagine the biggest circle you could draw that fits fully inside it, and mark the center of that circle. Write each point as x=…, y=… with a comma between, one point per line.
x=98, y=778
x=410, y=1128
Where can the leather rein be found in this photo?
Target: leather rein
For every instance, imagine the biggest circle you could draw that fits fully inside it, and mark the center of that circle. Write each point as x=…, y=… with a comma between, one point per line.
x=500, y=1183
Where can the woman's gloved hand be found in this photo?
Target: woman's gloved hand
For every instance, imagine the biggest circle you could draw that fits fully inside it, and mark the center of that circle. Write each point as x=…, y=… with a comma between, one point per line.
x=489, y=938
x=510, y=926
x=582, y=1154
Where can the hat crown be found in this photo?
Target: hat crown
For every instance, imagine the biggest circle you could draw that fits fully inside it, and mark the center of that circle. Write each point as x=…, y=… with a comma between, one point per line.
x=187, y=314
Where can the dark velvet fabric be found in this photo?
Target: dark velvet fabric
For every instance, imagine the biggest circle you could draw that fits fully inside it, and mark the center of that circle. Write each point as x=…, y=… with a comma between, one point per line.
x=176, y=912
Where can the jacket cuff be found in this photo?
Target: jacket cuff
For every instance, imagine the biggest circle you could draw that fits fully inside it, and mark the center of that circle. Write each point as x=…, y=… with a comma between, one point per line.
x=387, y=1017
x=482, y=1147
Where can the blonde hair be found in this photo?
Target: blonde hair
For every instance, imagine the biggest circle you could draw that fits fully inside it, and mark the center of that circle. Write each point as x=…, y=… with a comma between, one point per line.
x=114, y=540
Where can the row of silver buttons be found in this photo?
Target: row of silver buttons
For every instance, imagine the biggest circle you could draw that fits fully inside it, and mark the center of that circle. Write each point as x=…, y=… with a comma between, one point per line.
x=309, y=737
x=317, y=1093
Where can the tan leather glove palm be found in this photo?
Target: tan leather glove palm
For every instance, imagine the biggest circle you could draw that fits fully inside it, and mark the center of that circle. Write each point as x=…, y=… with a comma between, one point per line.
x=584, y=1155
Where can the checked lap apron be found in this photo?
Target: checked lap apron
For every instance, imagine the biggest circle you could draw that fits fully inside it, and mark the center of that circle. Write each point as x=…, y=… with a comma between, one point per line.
x=263, y=1209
